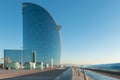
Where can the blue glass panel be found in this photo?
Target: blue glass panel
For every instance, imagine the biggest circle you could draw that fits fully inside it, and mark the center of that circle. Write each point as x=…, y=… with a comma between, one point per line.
x=41, y=34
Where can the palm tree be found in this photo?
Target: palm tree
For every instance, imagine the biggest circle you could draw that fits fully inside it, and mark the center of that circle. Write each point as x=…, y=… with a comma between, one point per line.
x=8, y=61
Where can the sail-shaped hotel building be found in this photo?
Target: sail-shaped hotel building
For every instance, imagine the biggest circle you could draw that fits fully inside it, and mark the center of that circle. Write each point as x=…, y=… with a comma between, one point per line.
x=40, y=34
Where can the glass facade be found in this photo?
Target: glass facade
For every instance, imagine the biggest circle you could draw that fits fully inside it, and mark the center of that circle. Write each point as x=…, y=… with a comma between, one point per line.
x=18, y=56
x=41, y=34
x=14, y=55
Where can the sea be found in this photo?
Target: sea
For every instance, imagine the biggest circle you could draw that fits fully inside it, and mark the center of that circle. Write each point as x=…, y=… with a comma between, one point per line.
x=109, y=67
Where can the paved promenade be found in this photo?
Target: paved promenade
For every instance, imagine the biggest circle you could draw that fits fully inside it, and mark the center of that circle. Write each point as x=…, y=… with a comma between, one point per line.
x=58, y=74
x=30, y=74
x=73, y=73
x=80, y=75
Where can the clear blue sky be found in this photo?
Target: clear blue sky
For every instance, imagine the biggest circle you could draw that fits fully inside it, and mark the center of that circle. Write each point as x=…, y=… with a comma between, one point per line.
x=90, y=28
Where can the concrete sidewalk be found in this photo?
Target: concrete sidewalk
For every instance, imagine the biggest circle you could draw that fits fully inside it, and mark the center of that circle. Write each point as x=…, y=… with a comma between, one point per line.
x=30, y=74
x=73, y=73
x=79, y=74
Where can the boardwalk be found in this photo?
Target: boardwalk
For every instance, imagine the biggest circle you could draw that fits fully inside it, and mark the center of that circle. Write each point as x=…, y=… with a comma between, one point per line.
x=30, y=74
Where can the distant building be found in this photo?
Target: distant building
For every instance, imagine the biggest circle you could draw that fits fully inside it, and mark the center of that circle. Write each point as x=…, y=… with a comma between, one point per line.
x=40, y=34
